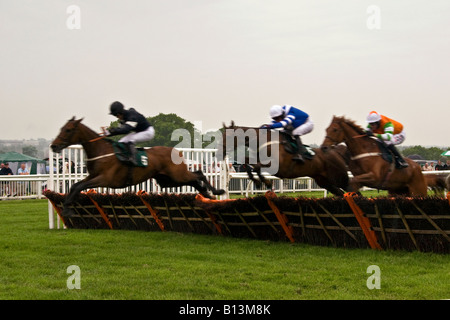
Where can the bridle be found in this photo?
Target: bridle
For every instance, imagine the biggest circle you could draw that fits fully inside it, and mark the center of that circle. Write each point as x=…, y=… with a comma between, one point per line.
x=335, y=142
x=66, y=140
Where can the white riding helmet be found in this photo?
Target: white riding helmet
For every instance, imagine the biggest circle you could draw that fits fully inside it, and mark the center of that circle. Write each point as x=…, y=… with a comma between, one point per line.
x=373, y=117
x=276, y=111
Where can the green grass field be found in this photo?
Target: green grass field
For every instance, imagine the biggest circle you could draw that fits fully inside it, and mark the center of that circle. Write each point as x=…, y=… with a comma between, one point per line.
x=173, y=266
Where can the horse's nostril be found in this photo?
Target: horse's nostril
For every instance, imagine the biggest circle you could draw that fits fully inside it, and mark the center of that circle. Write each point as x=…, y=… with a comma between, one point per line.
x=324, y=148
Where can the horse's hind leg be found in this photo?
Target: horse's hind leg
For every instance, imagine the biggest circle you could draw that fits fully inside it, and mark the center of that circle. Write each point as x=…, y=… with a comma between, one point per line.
x=202, y=180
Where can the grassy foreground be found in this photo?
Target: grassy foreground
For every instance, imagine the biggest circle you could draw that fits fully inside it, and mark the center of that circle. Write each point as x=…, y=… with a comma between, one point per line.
x=162, y=266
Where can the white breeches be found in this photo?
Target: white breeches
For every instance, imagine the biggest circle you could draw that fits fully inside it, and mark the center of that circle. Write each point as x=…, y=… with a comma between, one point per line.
x=305, y=128
x=136, y=137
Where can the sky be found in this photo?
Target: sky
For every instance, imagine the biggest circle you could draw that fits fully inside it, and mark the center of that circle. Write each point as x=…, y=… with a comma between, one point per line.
x=213, y=61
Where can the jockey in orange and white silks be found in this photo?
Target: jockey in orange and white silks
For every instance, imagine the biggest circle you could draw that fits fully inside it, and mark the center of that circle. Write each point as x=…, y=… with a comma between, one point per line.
x=386, y=129
x=389, y=131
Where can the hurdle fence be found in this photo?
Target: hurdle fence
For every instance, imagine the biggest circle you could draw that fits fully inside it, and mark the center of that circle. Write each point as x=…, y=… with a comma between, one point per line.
x=69, y=167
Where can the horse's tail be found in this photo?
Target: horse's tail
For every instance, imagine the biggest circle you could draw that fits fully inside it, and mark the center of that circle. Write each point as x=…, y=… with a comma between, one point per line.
x=437, y=183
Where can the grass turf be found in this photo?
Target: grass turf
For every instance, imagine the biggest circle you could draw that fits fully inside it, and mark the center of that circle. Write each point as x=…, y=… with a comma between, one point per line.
x=174, y=266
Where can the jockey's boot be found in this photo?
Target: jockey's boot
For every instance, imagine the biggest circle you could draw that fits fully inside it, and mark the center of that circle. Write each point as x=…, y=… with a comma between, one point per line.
x=400, y=163
x=300, y=150
x=132, y=153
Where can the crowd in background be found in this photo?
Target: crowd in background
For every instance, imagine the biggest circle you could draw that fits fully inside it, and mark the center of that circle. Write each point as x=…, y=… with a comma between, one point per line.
x=440, y=165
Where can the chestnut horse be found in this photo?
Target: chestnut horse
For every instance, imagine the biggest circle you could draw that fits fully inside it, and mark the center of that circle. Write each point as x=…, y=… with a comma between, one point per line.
x=367, y=164
x=105, y=170
x=327, y=169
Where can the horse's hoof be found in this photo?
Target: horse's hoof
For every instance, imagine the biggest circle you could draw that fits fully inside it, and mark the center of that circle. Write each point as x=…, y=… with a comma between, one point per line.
x=219, y=192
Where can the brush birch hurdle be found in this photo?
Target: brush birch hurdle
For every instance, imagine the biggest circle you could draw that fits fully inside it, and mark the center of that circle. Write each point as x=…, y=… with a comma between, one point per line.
x=421, y=224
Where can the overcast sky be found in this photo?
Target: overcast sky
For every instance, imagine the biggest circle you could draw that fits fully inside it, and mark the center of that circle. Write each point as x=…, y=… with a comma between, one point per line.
x=220, y=60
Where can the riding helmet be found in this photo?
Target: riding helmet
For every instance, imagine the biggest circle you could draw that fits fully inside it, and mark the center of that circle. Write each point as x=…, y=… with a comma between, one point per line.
x=276, y=111
x=116, y=108
x=373, y=117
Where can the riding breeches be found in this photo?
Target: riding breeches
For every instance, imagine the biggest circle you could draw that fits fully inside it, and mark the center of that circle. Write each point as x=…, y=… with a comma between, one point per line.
x=305, y=128
x=396, y=139
x=142, y=136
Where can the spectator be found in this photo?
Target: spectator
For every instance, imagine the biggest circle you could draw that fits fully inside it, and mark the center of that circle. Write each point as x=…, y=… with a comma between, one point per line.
x=6, y=170
x=439, y=166
x=447, y=165
x=23, y=170
x=427, y=167
x=22, y=186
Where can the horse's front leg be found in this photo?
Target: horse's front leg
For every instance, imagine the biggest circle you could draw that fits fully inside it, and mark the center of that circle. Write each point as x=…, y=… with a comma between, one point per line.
x=249, y=170
x=75, y=192
x=257, y=169
x=357, y=182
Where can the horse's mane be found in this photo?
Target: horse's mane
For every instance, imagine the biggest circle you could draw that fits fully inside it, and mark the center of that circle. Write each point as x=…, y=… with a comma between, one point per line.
x=351, y=123
x=84, y=126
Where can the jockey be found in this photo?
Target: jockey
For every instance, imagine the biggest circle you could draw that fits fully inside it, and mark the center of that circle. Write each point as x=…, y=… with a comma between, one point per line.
x=389, y=131
x=132, y=123
x=295, y=122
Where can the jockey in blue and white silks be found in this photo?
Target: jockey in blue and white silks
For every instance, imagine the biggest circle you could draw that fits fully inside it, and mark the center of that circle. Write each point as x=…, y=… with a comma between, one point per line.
x=295, y=122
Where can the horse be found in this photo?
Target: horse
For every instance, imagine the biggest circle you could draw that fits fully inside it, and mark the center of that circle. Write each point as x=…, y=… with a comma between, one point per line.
x=437, y=183
x=367, y=164
x=327, y=169
x=105, y=170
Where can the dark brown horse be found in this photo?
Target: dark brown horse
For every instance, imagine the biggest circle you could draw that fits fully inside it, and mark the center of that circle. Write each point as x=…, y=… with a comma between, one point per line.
x=105, y=170
x=367, y=164
x=327, y=169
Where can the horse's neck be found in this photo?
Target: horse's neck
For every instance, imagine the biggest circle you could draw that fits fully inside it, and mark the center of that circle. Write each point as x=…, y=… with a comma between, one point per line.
x=91, y=142
x=356, y=141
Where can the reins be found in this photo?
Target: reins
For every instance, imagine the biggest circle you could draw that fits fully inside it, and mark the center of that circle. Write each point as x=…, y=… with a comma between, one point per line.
x=102, y=156
x=96, y=139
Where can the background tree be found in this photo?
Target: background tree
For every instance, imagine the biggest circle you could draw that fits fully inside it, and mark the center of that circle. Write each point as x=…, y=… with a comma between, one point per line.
x=30, y=151
x=430, y=153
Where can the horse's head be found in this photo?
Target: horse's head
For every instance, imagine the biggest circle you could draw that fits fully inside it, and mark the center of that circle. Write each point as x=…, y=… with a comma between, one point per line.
x=334, y=134
x=237, y=138
x=221, y=145
x=69, y=135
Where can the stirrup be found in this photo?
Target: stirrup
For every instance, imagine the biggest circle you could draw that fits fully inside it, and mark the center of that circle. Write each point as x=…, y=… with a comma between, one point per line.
x=401, y=164
x=132, y=151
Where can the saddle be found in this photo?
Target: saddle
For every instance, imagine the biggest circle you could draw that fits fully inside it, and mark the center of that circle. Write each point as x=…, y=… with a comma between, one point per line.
x=123, y=154
x=290, y=145
x=386, y=154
